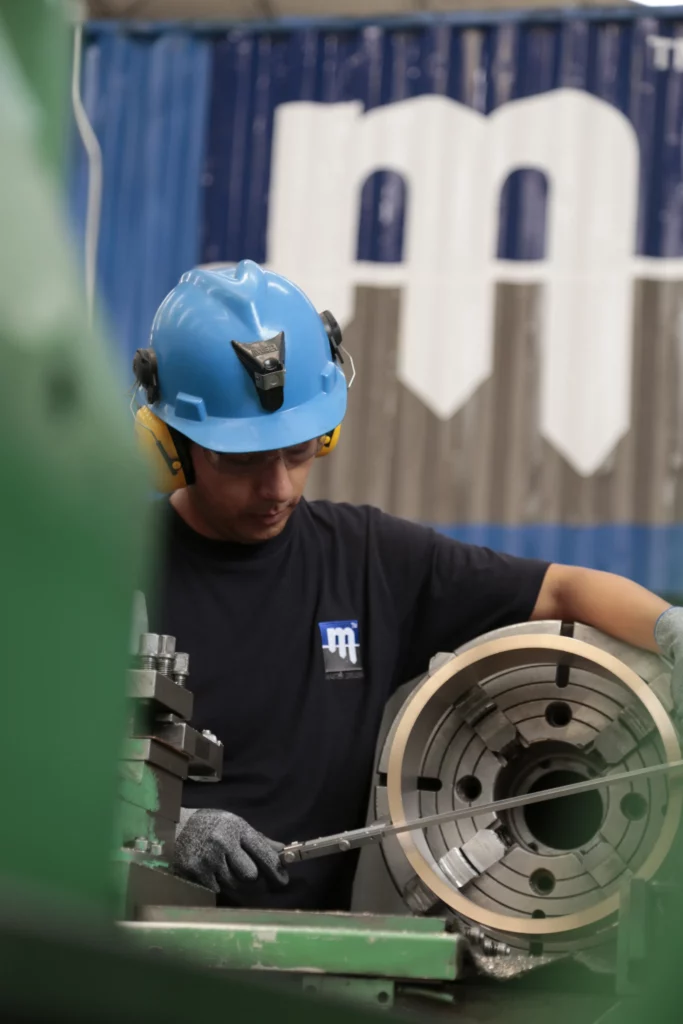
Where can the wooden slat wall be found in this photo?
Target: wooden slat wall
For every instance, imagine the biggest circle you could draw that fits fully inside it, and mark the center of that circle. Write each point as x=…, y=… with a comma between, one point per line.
x=489, y=463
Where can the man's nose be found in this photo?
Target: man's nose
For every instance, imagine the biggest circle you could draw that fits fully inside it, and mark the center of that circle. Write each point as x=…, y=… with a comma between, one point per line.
x=274, y=483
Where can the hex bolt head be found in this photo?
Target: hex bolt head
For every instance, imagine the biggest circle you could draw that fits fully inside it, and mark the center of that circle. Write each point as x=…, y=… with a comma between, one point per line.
x=157, y=849
x=148, y=648
x=141, y=845
x=181, y=668
x=166, y=646
x=149, y=643
x=166, y=654
x=207, y=734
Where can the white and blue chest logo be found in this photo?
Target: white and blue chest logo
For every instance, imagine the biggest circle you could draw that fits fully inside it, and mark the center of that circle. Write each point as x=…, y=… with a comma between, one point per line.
x=341, y=649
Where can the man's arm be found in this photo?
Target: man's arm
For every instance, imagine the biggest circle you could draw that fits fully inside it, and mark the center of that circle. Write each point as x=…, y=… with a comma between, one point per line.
x=610, y=603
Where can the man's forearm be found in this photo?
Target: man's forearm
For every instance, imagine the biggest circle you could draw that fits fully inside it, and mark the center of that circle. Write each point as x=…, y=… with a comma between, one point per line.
x=613, y=604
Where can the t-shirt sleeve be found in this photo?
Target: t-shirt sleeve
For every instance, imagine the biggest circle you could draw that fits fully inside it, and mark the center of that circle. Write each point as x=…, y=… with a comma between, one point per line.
x=445, y=593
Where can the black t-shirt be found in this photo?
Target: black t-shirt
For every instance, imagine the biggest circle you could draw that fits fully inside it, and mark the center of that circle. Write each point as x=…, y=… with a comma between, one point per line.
x=295, y=646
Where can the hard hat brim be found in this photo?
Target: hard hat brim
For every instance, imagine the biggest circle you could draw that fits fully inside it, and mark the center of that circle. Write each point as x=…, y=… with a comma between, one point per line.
x=261, y=433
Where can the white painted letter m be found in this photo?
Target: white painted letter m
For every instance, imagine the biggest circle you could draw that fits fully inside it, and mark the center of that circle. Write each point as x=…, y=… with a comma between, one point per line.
x=342, y=640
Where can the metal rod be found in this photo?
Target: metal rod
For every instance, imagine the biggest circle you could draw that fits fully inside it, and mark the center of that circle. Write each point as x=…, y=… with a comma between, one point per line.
x=94, y=155
x=344, y=841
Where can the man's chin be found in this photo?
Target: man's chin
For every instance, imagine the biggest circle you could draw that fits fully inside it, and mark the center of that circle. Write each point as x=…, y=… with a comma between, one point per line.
x=261, y=528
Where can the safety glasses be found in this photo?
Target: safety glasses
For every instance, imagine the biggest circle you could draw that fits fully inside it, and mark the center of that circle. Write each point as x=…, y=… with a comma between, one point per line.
x=232, y=464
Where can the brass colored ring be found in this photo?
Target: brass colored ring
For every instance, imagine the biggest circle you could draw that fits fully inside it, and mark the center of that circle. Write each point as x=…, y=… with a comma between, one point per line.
x=530, y=650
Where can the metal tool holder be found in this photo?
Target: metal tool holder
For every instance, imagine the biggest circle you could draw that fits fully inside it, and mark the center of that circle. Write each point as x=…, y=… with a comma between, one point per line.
x=161, y=751
x=360, y=957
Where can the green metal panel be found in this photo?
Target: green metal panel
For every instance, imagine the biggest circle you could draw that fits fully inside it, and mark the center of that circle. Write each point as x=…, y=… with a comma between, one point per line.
x=372, y=991
x=306, y=918
x=56, y=970
x=41, y=45
x=72, y=513
x=320, y=945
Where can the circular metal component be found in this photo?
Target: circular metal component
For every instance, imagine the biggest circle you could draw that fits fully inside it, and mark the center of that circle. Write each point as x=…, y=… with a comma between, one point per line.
x=468, y=788
x=519, y=711
x=558, y=713
x=633, y=806
x=542, y=881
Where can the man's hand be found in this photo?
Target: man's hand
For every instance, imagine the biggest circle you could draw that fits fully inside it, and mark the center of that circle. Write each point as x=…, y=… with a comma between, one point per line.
x=669, y=637
x=221, y=852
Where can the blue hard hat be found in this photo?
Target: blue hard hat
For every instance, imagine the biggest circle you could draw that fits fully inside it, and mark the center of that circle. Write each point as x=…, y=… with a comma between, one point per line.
x=245, y=363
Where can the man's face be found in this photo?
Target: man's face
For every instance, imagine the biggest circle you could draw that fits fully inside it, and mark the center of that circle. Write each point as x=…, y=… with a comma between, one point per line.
x=249, y=498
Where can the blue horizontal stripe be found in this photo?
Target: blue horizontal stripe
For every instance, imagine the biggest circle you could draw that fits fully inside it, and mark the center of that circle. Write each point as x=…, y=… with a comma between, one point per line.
x=459, y=19
x=651, y=555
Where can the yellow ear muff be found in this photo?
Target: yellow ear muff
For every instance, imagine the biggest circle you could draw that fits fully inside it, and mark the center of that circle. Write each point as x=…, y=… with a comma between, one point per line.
x=158, y=446
x=330, y=442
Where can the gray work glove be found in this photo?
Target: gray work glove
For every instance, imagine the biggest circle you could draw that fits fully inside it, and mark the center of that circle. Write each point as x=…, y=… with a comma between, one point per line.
x=220, y=851
x=669, y=637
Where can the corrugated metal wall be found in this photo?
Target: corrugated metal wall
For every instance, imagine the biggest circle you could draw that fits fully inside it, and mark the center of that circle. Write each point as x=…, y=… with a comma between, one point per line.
x=574, y=455
x=147, y=97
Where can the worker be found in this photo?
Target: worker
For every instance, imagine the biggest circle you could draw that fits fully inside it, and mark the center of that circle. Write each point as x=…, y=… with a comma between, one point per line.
x=302, y=618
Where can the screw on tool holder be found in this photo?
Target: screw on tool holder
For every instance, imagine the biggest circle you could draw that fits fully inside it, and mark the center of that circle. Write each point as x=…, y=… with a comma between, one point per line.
x=148, y=649
x=156, y=849
x=181, y=668
x=166, y=654
x=141, y=845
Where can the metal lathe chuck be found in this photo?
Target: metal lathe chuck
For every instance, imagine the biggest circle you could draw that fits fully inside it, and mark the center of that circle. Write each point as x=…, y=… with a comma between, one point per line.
x=519, y=710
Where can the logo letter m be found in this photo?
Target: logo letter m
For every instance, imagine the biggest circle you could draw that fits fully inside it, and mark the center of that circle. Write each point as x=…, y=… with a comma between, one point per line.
x=343, y=641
